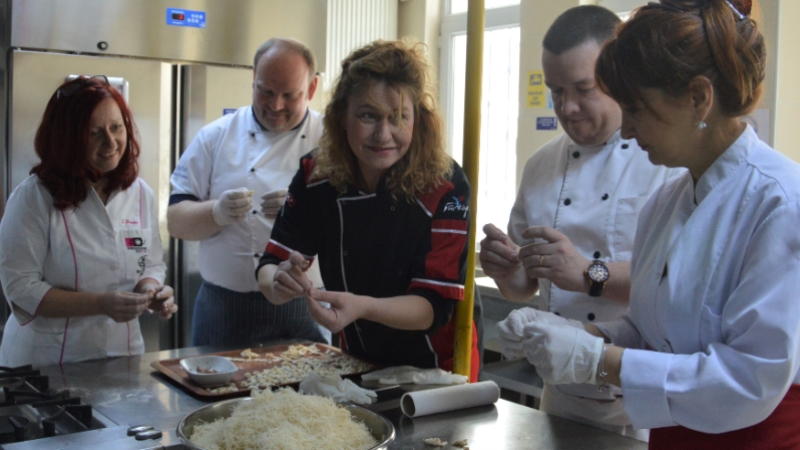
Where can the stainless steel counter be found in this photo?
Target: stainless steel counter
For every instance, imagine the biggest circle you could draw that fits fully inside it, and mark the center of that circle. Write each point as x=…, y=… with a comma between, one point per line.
x=129, y=392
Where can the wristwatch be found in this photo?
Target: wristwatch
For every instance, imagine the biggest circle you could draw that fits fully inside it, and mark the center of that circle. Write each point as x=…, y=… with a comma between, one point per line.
x=598, y=275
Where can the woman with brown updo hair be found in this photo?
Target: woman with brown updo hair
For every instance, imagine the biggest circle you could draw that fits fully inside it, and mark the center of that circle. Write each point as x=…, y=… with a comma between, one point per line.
x=708, y=354
x=386, y=210
x=80, y=252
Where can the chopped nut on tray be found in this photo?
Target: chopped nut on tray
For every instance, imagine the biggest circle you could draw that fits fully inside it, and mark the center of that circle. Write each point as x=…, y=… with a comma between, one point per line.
x=224, y=389
x=295, y=364
x=435, y=442
x=249, y=354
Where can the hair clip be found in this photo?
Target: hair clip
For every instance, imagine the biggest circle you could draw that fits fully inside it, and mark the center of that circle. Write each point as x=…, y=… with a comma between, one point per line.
x=736, y=12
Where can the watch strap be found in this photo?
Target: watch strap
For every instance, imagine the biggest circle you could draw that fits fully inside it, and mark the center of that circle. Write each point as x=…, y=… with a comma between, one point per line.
x=596, y=288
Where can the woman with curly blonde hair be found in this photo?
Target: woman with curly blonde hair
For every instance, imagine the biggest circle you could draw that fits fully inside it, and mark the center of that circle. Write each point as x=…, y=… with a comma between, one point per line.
x=426, y=163
x=386, y=210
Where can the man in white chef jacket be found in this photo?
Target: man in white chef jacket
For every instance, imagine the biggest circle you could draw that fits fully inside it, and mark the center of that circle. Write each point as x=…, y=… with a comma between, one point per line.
x=229, y=185
x=577, y=204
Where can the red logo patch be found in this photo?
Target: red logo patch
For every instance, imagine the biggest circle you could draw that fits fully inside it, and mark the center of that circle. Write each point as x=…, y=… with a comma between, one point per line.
x=134, y=242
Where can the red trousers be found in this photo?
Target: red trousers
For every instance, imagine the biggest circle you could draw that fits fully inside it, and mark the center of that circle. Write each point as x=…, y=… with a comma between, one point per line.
x=781, y=430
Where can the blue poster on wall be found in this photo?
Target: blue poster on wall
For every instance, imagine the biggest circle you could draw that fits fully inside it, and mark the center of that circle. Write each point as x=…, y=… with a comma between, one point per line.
x=546, y=123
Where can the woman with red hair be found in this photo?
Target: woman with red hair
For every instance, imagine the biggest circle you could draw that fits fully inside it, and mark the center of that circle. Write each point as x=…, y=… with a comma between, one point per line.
x=80, y=251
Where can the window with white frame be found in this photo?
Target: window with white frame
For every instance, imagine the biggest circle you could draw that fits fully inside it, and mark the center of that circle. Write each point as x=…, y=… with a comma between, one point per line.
x=499, y=103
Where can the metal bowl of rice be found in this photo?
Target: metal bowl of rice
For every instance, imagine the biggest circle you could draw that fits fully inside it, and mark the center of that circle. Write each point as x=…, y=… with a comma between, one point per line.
x=378, y=426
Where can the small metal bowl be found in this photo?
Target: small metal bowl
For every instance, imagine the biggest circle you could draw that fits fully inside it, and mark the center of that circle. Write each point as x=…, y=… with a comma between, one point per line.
x=218, y=370
x=380, y=427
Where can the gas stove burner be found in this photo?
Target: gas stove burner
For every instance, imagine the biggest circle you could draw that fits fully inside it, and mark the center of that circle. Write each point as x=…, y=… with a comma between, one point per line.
x=11, y=382
x=27, y=368
x=30, y=410
x=22, y=374
x=18, y=429
x=81, y=413
x=21, y=397
x=18, y=386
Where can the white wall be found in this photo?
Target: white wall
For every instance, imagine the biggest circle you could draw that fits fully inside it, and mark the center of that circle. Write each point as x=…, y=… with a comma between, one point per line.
x=621, y=5
x=421, y=20
x=787, y=89
x=535, y=18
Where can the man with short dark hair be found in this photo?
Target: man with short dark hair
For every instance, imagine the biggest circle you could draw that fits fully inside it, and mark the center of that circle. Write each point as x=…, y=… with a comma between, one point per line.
x=571, y=230
x=254, y=151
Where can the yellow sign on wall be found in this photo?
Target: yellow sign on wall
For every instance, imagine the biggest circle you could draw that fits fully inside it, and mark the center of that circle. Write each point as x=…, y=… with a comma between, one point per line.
x=536, y=90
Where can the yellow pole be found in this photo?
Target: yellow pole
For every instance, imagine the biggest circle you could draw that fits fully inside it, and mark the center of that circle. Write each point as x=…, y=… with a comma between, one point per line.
x=471, y=157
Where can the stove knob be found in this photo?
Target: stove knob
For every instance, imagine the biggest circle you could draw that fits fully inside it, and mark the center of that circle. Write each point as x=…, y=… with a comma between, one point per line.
x=145, y=435
x=133, y=431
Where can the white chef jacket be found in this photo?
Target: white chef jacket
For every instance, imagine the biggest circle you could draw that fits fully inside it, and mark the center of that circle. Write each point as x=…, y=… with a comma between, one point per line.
x=593, y=196
x=232, y=152
x=715, y=285
x=91, y=248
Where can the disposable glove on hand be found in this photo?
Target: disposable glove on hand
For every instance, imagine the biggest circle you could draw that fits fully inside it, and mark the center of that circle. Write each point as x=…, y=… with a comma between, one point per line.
x=409, y=374
x=336, y=388
x=511, y=330
x=272, y=202
x=562, y=354
x=232, y=206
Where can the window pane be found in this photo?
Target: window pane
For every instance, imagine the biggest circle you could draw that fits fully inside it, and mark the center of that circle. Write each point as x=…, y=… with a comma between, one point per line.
x=499, y=109
x=460, y=6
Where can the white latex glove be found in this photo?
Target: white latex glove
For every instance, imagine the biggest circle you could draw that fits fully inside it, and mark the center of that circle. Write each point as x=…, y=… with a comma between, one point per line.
x=563, y=354
x=409, y=374
x=272, y=202
x=232, y=206
x=510, y=331
x=336, y=388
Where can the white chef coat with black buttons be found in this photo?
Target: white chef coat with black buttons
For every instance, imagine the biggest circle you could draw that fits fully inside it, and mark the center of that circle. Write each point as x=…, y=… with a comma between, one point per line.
x=233, y=152
x=593, y=196
x=714, y=290
x=92, y=248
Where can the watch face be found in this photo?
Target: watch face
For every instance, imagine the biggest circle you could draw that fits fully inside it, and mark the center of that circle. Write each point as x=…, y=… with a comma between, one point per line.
x=598, y=272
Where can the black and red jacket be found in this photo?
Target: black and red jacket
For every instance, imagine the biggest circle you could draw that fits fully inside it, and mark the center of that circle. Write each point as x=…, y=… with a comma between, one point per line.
x=371, y=244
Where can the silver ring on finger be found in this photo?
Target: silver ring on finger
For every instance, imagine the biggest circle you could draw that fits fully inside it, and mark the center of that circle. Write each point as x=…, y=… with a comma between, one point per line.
x=541, y=260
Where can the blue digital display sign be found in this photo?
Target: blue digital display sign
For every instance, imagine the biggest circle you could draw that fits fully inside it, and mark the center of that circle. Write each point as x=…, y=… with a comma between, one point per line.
x=186, y=18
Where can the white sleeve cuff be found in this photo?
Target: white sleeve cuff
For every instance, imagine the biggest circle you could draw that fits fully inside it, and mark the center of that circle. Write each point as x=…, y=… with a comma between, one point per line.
x=155, y=272
x=644, y=378
x=28, y=301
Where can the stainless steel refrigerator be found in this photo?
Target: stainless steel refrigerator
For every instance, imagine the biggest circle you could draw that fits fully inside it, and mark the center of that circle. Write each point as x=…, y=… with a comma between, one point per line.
x=184, y=63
